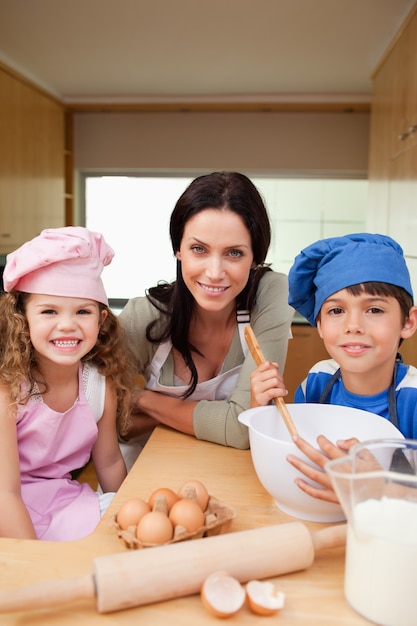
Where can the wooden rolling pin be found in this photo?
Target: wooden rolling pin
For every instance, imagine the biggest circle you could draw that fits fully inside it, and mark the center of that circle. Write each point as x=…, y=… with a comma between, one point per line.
x=259, y=358
x=138, y=577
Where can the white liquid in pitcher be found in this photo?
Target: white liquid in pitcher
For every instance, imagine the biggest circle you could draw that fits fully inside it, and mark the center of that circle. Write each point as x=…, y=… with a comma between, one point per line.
x=381, y=561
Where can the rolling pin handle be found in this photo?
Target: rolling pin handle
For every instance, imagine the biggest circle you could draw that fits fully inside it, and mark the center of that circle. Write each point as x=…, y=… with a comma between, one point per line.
x=47, y=594
x=330, y=537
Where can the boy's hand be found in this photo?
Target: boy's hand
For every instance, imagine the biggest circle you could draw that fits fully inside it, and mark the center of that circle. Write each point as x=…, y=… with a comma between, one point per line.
x=327, y=450
x=266, y=383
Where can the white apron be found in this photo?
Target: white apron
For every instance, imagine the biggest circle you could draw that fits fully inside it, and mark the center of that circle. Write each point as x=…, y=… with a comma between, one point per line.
x=218, y=388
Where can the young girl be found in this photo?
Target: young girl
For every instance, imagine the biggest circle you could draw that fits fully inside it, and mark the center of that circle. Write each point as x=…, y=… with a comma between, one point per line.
x=187, y=336
x=64, y=378
x=356, y=289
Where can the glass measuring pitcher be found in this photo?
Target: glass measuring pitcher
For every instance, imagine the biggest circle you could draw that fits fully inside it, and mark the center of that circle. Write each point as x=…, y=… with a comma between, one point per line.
x=376, y=484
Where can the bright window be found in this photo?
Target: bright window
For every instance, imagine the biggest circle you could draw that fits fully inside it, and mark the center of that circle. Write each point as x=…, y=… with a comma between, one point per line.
x=133, y=214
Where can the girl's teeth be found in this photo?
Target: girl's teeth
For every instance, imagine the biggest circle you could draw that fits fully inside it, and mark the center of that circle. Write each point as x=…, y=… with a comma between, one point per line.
x=66, y=344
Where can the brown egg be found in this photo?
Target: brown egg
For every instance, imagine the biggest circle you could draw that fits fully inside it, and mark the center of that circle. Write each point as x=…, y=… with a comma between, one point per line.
x=200, y=492
x=170, y=495
x=222, y=595
x=262, y=597
x=154, y=527
x=131, y=512
x=187, y=513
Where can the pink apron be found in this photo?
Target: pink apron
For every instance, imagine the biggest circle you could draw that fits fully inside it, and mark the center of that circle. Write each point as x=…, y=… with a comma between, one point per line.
x=51, y=445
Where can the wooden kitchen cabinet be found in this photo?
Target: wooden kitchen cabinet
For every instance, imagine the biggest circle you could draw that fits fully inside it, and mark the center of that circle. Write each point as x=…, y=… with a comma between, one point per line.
x=380, y=147
x=393, y=143
x=404, y=90
x=408, y=350
x=304, y=349
x=32, y=193
x=394, y=100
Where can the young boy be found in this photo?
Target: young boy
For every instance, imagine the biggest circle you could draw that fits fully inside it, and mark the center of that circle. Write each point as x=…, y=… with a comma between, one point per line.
x=356, y=289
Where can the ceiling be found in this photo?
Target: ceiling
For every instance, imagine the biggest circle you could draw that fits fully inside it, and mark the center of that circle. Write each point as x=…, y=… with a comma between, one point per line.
x=167, y=50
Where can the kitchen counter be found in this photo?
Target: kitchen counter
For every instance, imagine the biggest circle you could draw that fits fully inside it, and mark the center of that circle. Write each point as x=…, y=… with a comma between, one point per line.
x=313, y=596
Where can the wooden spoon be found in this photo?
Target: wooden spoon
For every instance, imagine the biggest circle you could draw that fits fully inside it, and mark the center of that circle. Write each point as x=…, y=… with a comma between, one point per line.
x=259, y=358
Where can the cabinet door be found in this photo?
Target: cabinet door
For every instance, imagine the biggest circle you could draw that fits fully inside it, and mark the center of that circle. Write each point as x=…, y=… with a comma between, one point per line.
x=31, y=163
x=8, y=232
x=411, y=112
x=304, y=350
x=382, y=112
x=12, y=221
x=408, y=349
x=404, y=86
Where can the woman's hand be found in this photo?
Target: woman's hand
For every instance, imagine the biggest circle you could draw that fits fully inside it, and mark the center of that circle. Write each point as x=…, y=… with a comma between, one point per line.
x=266, y=383
x=327, y=450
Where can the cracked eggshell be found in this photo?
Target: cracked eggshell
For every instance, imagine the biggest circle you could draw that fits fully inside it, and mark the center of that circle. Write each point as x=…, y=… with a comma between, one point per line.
x=222, y=595
x=263, y=598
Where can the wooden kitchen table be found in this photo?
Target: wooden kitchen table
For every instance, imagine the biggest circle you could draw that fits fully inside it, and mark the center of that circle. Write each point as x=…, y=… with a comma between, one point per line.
x=313, y=597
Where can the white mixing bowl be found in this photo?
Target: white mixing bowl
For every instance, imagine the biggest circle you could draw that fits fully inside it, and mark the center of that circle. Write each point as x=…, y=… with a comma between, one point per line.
x=270, y=443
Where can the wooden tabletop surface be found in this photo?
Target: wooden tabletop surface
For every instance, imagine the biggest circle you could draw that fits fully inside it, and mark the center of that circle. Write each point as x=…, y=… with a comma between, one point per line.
x=313, y=596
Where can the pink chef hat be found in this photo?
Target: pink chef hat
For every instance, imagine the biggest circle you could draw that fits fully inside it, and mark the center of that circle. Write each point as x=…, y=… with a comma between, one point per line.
x=60, y=262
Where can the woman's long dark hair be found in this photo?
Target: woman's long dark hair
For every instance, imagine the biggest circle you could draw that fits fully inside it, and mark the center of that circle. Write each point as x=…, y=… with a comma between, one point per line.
x=219, y=190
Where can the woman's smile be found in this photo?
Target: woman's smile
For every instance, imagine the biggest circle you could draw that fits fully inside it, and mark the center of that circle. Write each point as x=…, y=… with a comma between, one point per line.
x=213, y=289
x=216, y=257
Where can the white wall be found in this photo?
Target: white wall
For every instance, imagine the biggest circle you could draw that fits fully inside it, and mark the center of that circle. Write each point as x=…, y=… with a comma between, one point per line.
x=251, y=142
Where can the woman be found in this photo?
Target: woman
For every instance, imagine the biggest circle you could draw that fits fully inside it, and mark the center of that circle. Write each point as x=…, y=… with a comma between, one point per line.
x=187, y=336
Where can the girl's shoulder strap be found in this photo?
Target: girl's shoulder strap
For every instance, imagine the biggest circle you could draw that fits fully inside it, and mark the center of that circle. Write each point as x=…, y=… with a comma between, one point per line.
x=94, y=385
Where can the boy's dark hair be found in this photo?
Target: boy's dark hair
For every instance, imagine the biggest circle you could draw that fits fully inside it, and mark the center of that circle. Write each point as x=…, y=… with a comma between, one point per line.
x=374, y=288
x=385, y=289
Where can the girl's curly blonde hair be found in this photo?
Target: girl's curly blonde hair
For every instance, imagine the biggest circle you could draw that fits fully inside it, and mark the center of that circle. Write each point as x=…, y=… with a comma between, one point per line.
x=111, y=355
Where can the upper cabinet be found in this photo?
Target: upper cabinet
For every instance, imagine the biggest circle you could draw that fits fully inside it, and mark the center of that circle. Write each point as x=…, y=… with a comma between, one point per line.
x=32, y=163
x=404, y=86
x=393, y=144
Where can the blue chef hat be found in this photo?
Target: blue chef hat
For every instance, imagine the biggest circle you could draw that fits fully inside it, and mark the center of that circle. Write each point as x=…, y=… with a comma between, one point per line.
x=329, y=265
